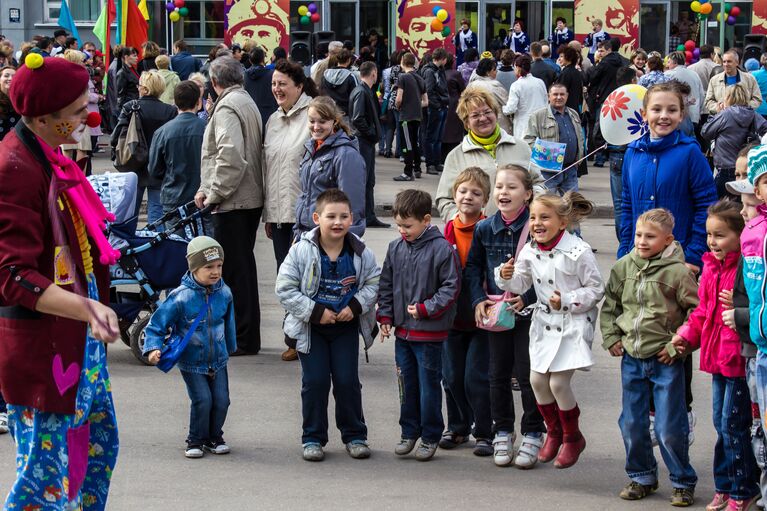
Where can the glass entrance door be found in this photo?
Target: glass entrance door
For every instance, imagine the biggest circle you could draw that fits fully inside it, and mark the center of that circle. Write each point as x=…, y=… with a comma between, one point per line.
x=653, y=27
x=533, y=16
x=343, y=21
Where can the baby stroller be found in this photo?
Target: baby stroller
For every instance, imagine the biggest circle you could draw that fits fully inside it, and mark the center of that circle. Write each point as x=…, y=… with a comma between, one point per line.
x=153, y=258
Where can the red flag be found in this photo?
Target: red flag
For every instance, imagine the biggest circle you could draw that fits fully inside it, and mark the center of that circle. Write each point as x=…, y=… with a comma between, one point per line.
x=136, y=30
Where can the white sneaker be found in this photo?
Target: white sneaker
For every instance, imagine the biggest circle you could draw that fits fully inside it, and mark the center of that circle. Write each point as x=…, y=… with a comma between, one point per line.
x=527, y=454
x=194, y=451
x=503, y=448
x=3, y=423
x=691, y=419
x=217, y=448
x=653, y=438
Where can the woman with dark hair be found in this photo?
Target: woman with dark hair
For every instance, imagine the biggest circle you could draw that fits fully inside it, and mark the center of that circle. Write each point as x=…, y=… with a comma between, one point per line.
x=571, y=78
x=526, y=95
x=505, y=71
x=149, y=51
x=654, y=73
x=127, y=77
x=8, y=116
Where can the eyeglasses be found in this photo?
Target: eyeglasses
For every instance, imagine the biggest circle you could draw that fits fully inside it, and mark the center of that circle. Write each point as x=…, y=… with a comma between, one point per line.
x=479, y=115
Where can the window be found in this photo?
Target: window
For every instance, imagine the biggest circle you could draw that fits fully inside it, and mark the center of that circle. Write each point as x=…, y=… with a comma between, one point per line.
x=82, y=10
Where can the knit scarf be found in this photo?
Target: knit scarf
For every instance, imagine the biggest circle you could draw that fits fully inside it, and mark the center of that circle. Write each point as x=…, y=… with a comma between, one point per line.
x=488, y=143
x=465, y=38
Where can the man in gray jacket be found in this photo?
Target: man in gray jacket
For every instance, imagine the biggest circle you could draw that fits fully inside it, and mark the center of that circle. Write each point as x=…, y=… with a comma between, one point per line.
x=232, y=181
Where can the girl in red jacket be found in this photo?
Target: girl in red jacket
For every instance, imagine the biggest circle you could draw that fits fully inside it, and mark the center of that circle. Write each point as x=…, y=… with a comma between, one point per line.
x=736, y=475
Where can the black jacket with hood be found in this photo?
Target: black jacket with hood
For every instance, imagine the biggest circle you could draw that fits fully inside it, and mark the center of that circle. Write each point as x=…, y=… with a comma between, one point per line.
x=258, y=83
x=338, y=84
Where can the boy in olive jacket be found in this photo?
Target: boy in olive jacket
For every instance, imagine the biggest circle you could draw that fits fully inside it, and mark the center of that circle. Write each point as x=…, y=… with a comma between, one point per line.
x=649, y=295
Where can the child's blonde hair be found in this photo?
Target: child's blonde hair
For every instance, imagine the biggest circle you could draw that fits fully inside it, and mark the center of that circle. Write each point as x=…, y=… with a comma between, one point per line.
x=473, y=175
x=572, y=205
x=596, y=21
x=736, y=95
x=658, y=216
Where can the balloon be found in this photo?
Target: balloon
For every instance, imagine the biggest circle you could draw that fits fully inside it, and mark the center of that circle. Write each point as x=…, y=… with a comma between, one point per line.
x=689, y=45
x=446, y=31
x=620, y=119
x=436, y=25
x=719, y=16
x=706, y=9
x=731, y=20
x=695, y=6
x=303, y=10
x=312, y=7
x=727, y=7
x=447, y=19
x=680, y=47
x=436, y=9
x=688, y=55
x=315, y=17
x=176, y=9
x=174, y=16
x=184, y=11
x=696, y=53
x=442, y=15
x=170, y=6
x=735, y=11
x=179, y=3
x=305, y=20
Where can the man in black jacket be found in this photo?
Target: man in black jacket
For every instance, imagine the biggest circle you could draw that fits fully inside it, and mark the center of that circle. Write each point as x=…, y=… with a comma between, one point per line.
x=540, y=68
x=436, y=88
x=258, y=83
x=363, y=114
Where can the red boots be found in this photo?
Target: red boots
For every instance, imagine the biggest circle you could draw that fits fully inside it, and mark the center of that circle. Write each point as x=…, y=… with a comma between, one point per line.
x=553, y=441
x=573, y=441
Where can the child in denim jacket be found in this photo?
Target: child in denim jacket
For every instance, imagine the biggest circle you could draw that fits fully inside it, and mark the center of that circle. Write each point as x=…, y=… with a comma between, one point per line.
x=203, y=362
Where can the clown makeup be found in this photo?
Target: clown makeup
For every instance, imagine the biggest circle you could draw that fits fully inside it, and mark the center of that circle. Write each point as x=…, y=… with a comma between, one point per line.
x=64, y=128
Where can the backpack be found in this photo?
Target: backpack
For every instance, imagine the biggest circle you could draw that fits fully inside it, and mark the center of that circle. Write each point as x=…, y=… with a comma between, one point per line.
x=132, y=151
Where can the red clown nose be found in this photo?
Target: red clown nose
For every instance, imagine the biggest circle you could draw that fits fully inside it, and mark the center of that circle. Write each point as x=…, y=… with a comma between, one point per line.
x=94, y=120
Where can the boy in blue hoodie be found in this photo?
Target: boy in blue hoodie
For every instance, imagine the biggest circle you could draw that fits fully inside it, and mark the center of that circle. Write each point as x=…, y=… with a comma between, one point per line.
x=203, y=362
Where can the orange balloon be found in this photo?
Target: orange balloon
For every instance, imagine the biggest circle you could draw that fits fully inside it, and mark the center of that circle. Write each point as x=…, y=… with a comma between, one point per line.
x=437, y=25
x=706, y=8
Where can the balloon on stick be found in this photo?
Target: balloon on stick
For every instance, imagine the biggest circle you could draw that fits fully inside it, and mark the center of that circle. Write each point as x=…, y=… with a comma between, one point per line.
x=312, y=7
x=695, y=6
x=620, y=119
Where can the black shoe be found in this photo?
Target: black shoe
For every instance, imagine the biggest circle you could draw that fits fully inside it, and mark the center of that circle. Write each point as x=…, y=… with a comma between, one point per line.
x=440, y=168
x=432, y=170
x=599, y=164
x=417, y=174
x=403, y=177
x=387, y=154
x=375, y=222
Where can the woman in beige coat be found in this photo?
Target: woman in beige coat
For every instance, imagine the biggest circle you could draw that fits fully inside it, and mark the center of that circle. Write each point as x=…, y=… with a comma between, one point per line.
x=286, y=131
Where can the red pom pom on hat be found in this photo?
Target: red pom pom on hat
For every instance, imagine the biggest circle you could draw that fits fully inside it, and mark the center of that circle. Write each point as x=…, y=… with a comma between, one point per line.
x=48, y=87
x=94, y=120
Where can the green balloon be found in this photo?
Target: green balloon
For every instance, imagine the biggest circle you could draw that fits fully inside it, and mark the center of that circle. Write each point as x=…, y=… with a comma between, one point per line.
x=446, y=31
x=305, y=20
x=727, y=7
x=184, y=11
x=680, y=47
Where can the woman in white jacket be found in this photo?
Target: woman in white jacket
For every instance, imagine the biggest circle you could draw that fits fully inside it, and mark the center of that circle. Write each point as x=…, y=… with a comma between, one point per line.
x=526, y=95
x=564, y=272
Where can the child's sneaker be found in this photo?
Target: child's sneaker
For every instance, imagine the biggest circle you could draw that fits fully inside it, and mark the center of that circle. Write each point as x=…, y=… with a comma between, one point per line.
x=425, y=451
x=217, y=447
x=194, y=451
x=3, y=423
x=636, y=491
x=741, y=505
x=452, y=440
x=691, y=419
x=483, y=447
x=683, y=497
x=503, y=448
x=404, y=446
x=719, y=502
x=313, y=452
x=527, y=454
x=653, y=438
x=358, y=449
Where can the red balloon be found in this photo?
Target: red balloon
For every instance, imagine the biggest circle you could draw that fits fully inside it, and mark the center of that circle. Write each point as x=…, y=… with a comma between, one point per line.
x=315, y=17
x=689, y=45
x=93, y=120
x=735, y=10
x=179, y=3
x=688, y=55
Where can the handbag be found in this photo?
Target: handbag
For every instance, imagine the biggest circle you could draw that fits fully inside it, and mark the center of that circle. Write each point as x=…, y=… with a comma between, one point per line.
x=175, y=345
x=132, y=151
x=501, y=315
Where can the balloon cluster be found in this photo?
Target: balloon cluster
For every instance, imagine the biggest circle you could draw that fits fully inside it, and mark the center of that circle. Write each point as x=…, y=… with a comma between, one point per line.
x=729, y=14
x=691, y=53
x=177, y=9
x=440, y=21
x=308, y=14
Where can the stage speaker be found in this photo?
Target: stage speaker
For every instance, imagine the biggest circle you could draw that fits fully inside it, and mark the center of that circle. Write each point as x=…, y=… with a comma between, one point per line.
x=301, y=47
x=753, y=46
x=323, y=37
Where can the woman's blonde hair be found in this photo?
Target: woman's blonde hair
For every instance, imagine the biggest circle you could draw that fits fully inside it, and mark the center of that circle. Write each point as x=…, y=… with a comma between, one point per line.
x=150, y=50
x=736, y=95
x=475, y=97
x=572, y=206
x=327, y=110
x=74, y=56
x=153, y=83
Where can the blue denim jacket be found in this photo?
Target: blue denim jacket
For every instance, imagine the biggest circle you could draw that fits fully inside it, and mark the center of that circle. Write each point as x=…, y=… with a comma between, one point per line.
x=215, y=337
x=493, y=245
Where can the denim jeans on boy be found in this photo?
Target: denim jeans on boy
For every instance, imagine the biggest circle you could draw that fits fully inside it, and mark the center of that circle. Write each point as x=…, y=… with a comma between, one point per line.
x=735, y=470
x=435, y=128
x=210, y=403
x=671, y=425
x=616, y=187
x=419, y=371
x=465, y=360
x=333, y=357
x=561, y=182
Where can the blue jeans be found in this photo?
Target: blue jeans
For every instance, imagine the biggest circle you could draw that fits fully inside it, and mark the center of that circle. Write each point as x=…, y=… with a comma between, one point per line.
x=210, y=403
x=616, y=187
x=667, y=382
x=735, y=470
x=435, y=128
x=333, y=357
x=563, y=182
x=465, y=360
x=758, y=445
x=154, y=209
x=419, y=371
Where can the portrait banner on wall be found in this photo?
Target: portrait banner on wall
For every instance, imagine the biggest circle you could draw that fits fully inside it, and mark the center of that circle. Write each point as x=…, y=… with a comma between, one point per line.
x=619, y=18
x=264, y=21
x=421, y=30
x=760, y=18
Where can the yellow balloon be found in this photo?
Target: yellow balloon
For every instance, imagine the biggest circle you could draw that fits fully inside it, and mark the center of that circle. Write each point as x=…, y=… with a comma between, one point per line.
x=174, y=16
x=303, y=10
x=695, y=6
x=442, y=15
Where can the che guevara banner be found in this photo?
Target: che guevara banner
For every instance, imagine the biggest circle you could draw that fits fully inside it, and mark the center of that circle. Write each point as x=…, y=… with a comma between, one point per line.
x=266, y=22
x=416, y=28
x=760, y=17
x=619, y=18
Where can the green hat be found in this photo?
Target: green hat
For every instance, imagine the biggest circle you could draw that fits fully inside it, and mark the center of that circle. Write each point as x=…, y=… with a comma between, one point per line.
x=201, y=251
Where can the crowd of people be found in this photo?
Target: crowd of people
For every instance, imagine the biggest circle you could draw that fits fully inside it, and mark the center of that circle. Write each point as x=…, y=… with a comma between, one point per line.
x=509, y=295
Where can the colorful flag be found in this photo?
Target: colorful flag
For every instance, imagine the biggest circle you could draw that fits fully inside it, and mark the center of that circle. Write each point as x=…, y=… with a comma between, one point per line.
x=143, y=8
x=134, y=26
x=103, y=31
x=66, y=21
x=548, y=155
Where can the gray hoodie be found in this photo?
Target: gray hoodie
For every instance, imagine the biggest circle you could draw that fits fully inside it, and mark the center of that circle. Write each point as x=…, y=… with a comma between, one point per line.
x=338, y=84
x=730, y=129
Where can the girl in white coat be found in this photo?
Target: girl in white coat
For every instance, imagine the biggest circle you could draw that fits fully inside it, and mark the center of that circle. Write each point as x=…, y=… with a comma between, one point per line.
x=564, y=272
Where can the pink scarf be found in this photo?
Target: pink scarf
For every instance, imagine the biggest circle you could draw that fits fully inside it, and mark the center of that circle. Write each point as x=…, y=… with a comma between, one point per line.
x=69, y=178
x=514, y=216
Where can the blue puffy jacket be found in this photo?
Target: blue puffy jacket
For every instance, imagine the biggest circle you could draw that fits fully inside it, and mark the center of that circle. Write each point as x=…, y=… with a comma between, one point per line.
x=215, y=337
x=669, y=173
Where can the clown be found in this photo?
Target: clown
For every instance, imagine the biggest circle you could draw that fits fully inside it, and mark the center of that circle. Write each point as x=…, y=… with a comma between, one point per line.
x=53, y=269
x=263, y=21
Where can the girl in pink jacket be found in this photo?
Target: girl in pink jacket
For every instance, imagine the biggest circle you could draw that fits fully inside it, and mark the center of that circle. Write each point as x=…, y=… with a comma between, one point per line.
x=735, y=471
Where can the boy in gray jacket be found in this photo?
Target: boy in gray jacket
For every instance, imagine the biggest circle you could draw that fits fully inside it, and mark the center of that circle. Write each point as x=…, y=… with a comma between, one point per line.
x=420, y=283
x=328, y=285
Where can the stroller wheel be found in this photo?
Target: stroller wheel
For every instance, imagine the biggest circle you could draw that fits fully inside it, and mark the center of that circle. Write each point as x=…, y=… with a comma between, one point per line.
x=137, y=337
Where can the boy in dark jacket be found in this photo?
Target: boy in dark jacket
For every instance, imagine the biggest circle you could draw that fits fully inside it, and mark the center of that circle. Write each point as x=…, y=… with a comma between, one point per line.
x=420, y=283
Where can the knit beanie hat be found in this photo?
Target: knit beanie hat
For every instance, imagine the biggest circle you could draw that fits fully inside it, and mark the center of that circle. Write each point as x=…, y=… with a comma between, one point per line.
x=757, y=163
x=201, y=251
x=751, y=65
x=43, y=86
